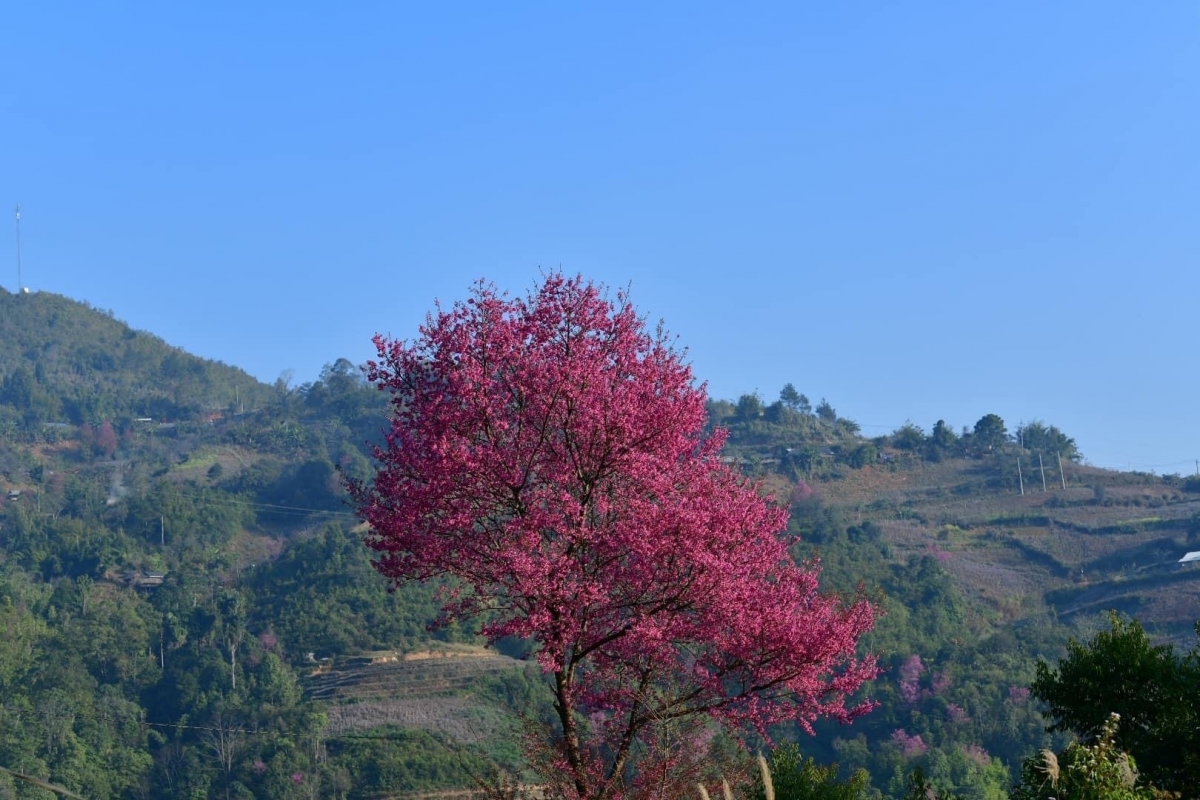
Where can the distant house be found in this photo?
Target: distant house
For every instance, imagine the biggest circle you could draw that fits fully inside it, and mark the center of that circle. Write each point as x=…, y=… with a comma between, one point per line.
x=1190, y=557
x=145, y=580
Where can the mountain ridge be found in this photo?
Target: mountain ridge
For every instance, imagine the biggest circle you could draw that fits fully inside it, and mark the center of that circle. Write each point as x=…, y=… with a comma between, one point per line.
x=129, y=457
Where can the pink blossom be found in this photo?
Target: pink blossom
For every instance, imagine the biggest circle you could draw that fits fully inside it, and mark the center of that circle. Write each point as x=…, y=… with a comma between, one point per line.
x=911, y=746
x=297, y=777
x=106, y=438
x=977, y=754
x=910, y=677
x=550, y=454
x=912, y=669
x=1018, y=694
x=956, y=713
x=259, y=767
x=802, y=491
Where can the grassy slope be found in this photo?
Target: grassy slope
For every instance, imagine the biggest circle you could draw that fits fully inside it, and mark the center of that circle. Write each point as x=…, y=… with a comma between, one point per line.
x=1108, y=540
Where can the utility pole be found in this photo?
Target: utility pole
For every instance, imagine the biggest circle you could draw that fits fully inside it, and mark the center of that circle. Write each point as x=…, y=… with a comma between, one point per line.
x=1043, y=470
x=162, y=531
x=1062, y=474
x=1020, y=479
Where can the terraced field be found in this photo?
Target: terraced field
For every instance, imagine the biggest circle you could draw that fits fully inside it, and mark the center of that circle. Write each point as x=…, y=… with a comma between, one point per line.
x=1109, y=540
x=425, y=690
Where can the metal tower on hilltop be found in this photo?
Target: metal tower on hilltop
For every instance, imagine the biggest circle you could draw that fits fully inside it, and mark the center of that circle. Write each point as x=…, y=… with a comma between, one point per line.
x=17, y=214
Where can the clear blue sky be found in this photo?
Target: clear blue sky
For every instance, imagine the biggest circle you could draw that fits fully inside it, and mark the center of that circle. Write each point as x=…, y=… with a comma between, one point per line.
x=919, y=211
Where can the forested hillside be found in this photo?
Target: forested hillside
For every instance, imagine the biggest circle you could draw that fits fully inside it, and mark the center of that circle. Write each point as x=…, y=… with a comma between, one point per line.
x=187, y=609
x=990, y=548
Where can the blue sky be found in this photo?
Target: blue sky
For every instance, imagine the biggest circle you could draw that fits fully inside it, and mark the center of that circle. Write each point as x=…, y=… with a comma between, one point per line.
x=919, y=211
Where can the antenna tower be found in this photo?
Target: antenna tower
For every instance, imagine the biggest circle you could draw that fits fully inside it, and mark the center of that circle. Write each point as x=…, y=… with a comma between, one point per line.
x=17, y=214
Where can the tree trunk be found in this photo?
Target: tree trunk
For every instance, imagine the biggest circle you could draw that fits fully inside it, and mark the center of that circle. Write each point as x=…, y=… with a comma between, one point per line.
x=564, y=704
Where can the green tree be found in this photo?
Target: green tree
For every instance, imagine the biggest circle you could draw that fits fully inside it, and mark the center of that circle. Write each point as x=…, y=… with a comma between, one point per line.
x=919, y=788
x=1048, y=440
x=863, y=455
x=795, y=777
x=990, y=433
x=1155, y=692
x=1096, y=771
x=790, y=397
x=908, y=437
x=943, y=436
x=749, y=407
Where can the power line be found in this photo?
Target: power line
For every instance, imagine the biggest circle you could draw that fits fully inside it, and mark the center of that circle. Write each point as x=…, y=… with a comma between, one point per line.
x=290, y=510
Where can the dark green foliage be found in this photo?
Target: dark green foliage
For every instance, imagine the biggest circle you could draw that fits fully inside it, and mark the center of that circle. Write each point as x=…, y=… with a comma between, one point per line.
x=322, y=596
x=1155, y=692
x=863, y=455
x=190, y=688
x=64, y=362
x=789, y=439
x=795, y=777
x=1048, y=442
x=919, y=788
x=942, y=442
x=794, y=400
x=1095, y=771
x=990, y=434
x=390, y=758
x=943, y=436
x=749, y=407
x=908, y=437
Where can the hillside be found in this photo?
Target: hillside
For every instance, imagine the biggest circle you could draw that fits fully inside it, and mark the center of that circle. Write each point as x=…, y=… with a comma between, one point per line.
x=1026, y=531
x=64, y=362
x=1092, y=540
x=188, y=610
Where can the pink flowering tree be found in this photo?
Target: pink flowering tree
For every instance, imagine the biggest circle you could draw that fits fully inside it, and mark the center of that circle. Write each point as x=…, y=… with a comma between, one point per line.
x=548, y=454
x=910, y=679
x=106, y=439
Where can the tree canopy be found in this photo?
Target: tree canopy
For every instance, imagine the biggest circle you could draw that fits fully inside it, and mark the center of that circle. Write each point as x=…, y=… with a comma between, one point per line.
x=549, y=454
x=1152, y=689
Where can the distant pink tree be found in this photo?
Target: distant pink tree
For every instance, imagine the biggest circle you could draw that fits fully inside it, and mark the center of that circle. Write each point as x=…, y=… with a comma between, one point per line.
x=106, y=439
x=910, y=679
x=548, y=453
x=911, y=745
x=977, y=754
x=802, y=492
